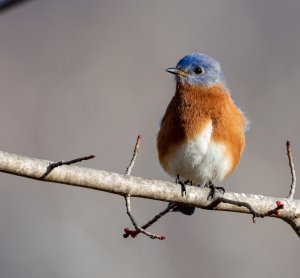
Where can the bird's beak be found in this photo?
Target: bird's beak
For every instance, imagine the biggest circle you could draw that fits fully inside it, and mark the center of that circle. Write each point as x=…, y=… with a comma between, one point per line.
x=176, y=71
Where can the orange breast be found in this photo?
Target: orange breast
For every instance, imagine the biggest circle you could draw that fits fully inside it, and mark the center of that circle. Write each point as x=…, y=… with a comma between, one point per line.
x=187, y=115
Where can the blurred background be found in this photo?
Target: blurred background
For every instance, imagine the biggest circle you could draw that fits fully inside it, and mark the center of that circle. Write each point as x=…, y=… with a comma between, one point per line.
x=86, y=77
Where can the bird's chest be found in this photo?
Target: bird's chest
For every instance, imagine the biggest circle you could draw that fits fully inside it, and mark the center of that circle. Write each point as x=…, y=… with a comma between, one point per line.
x=200, y=158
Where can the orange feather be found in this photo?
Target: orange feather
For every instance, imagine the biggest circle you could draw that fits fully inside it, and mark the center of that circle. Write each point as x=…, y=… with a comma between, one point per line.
x=188, y=113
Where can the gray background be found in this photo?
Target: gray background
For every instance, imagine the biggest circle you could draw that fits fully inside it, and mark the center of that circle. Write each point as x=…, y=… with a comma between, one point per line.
x=82, y=77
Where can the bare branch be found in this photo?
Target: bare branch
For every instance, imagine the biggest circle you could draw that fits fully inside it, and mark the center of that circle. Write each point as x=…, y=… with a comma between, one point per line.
x=275, y=210
x=292, y=168
x=8, y=4
x=134, y=233
x=53, y=165
x=134, y=155
x=145, y=188
x=138, y=229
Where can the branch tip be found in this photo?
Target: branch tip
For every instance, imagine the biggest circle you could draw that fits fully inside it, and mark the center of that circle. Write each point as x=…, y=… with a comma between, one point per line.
x=53, y=165
x=292, y=170
x=134, y=155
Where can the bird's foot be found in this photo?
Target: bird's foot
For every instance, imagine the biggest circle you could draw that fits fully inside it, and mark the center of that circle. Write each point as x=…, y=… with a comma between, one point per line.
x=213, y=190
x=183, y=185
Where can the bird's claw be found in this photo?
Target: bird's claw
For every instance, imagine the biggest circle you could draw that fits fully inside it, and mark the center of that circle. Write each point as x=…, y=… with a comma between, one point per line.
x=213, y=190
x=183, y=185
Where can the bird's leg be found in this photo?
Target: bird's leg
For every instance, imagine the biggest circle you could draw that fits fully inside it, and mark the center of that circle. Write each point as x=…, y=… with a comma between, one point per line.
x=213, y=190
x=185, y=209
x=183, y=184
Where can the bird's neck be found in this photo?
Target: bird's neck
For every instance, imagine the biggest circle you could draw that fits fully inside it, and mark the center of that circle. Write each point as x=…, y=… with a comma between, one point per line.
x=189, y=90
x=193, y=99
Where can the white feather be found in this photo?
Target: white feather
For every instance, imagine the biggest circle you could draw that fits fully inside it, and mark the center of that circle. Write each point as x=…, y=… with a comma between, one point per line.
x=200, y=160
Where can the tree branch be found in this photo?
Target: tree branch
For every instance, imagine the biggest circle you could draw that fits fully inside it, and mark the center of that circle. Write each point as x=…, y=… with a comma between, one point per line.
x=292, y=168
x=138, y=229
x=151, y=189
x=8, y=4
x=53, y=165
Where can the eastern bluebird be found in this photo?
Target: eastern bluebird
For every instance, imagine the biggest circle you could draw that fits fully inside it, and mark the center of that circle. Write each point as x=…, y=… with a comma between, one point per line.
x=201, y=136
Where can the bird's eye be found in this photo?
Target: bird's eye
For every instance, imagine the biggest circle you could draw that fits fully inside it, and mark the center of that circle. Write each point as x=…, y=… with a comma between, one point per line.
x=199, y=70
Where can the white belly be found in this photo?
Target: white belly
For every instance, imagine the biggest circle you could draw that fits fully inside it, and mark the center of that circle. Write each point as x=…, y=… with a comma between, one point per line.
x=200, y=160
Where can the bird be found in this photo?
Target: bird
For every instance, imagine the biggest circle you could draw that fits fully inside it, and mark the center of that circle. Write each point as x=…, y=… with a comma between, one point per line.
x=202, y=133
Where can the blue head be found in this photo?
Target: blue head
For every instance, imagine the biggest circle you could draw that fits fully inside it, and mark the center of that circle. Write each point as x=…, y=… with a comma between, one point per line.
x=198, y=69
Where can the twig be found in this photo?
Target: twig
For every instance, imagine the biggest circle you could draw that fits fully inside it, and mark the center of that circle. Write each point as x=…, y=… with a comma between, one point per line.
x=134, y=233
x=135, y=151
x=292, y=168
x=8, y=4
x=275, y=211
x=169, y=208
x=53, y=165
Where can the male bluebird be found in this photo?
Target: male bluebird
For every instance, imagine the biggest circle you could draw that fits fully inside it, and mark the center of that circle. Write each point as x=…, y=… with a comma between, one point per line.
x=201, y=137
